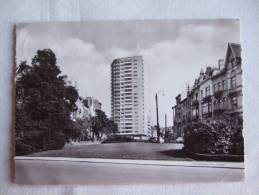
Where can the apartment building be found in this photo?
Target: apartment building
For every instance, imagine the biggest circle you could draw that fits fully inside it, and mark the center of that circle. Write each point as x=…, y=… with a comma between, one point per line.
x=127, y=96
x=217, y=90
x=86, y=108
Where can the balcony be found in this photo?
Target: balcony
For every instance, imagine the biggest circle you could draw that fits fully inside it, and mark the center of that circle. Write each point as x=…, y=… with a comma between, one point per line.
x=220, y=110
x=195, y=117
x=234, y=91
x=195, y=103
x=218, y=94
x=206, y=98
x=207, y=115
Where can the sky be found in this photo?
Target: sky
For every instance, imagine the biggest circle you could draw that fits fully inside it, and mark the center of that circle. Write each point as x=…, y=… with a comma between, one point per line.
x=174, y=51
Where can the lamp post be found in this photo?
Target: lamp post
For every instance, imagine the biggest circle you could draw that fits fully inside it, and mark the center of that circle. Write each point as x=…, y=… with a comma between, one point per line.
x=157, y=116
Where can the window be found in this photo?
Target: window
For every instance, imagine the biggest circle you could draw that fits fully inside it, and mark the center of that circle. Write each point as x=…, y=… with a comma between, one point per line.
x=215, y=105
x=209, y=107
x=234, y=102
x=201, y=93
x=195, y=112
x=233, y=82
x=207, y=91
x=215, y=88
x=232, y=62
x=224, y=101
x=224, y=85
x=220, y=104
x=196, y=96
x=204, y=108
x=219, y=86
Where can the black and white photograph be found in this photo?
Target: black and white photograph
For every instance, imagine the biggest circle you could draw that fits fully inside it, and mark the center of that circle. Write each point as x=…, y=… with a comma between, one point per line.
x=128, y=102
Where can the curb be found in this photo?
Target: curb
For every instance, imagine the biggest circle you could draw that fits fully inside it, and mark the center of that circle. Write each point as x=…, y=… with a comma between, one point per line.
x=227, y=165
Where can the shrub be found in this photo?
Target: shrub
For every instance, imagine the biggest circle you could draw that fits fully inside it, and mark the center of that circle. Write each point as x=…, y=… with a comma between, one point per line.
x=222, y=135
x=118, y=139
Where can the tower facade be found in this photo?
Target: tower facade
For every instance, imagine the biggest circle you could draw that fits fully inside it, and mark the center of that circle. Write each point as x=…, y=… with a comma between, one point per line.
x=127, y=95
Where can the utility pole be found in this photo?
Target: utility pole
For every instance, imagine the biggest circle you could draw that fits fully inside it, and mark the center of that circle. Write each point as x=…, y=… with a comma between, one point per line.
x=157, y=121
x=165, y=121
x=166, y=130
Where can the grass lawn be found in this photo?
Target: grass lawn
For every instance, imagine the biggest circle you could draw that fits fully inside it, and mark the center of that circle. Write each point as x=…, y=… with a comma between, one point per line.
x=131, y=150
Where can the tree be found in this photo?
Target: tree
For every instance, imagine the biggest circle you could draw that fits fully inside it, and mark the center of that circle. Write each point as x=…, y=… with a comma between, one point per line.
x=110, y=128
x=43, y=105
x=98, y=123
x=84, y=125
x=102, y=125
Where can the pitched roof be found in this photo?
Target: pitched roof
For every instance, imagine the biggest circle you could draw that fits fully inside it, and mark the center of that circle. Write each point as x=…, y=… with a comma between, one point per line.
x=235, y=48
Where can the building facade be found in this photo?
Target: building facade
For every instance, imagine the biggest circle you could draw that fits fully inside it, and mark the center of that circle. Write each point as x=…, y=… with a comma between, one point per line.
x=127, y=96
x=86, y=108
x=217, y=90
x=92, y=104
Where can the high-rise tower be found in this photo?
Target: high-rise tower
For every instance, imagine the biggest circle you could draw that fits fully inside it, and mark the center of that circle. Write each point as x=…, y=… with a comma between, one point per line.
x=127, y=95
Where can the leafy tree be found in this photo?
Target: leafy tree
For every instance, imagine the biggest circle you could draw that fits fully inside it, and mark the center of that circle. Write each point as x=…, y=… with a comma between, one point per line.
x=84, y=125
x=102, y=125
x=43, y=105
x=110, y=128
x=98, y=123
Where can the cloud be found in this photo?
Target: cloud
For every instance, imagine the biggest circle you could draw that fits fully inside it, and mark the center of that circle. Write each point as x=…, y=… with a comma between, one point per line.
x=116, y=52
x=170, y=60
x=83, y=64
x=170, y=66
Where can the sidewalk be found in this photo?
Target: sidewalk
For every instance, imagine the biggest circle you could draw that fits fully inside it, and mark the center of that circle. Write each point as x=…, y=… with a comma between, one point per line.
x=231, y=165
x=50, y=171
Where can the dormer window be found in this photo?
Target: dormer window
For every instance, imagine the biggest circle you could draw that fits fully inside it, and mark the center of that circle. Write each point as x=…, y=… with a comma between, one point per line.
x=233, y=82
x=232, y=62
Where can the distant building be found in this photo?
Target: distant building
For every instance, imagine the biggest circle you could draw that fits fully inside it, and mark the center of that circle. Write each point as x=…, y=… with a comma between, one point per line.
x=86, y=108
x=181, y=115
x=217, y=90
x=154, y=131
x=148, y=125
x=92, y=105
x=127, y=96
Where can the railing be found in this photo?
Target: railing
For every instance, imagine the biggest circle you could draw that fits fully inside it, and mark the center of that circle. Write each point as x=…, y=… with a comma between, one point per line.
x=195, y=103
x=218, y=94
x=234, y=91
x=206, y=98
x=206, y=115
x=219, y=110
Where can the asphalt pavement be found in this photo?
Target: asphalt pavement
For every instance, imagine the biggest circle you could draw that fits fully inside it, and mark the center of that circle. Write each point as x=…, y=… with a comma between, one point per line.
x=40, y=171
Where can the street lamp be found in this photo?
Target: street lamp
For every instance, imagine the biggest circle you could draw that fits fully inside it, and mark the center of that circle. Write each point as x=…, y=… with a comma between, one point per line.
x=157, y=117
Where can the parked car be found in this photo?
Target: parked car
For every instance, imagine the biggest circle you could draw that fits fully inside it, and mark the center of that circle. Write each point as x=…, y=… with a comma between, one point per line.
x=179, y=140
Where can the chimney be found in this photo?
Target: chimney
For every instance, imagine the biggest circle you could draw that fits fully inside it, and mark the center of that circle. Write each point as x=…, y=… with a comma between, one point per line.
x=202, y=71
x=221, y=64
x=178, y=99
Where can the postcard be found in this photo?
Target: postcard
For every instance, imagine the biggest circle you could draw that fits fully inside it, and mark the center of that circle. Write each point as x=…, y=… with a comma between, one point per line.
x=119, y=102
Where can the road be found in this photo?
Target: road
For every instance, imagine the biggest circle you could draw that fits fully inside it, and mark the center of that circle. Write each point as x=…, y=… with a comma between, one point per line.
x=70, y=172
